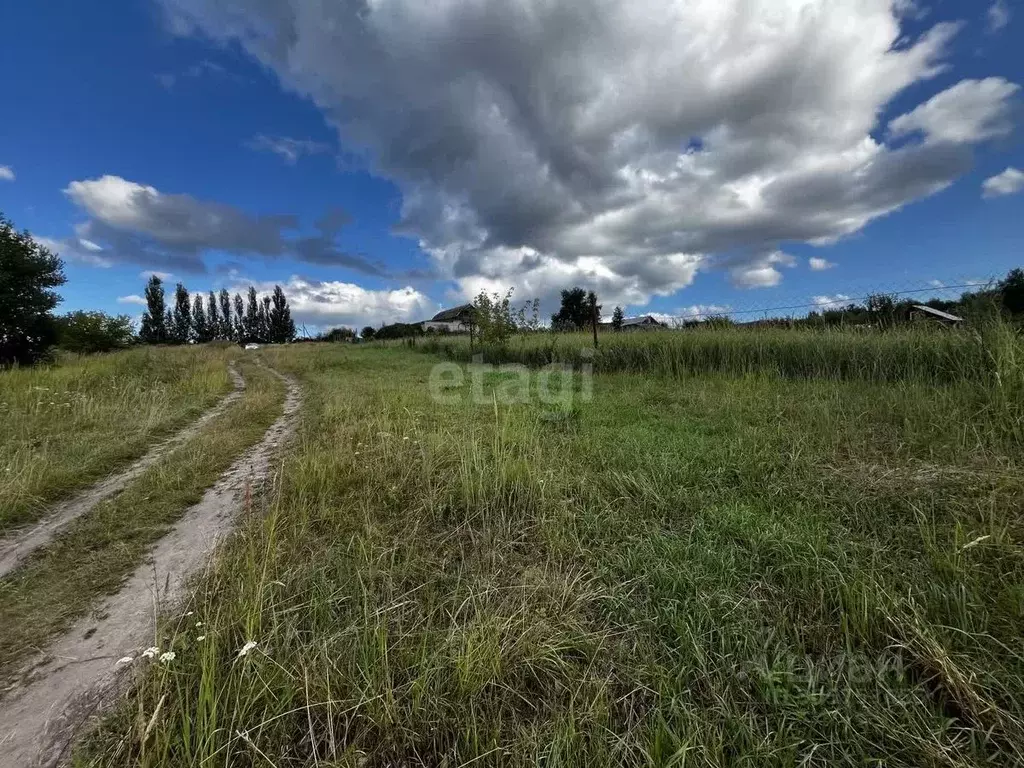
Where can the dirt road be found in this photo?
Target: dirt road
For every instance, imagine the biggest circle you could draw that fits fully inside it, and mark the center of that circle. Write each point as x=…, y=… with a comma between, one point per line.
x=79, y=674
x=20, y=544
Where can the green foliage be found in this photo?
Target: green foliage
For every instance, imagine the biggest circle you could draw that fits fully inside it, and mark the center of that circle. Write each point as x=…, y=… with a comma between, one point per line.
x=154, y=328
x=577, y=310
x=497, y=321
x=227, y=328
x=617, y=317
x=338, y=335
x=1012, y=291
x=281, y=325
x=28, y=274
x=368, y=333
x=181, y=326
x=91, y=332
x=399, y=331
x=201, y=329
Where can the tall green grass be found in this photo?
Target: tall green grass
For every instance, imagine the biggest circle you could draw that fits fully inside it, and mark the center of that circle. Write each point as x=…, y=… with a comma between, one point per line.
x=68, y=424
x=741, y=571
x=913, y=353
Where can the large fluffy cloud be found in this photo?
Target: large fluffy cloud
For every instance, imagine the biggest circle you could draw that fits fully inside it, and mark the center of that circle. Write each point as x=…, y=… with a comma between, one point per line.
x=330, y=303
x=623, y=141
x=138, y=223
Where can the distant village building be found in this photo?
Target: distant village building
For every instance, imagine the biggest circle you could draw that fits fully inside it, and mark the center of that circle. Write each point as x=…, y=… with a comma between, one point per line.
x=455, y=320
x=645, y=323
x=924, y=312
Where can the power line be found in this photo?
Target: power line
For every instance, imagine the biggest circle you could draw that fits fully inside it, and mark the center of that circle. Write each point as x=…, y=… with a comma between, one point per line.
x=837, y=303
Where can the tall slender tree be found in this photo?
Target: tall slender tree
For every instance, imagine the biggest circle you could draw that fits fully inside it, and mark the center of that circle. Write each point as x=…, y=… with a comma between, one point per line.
x=252, y=316
x=227, y=331
x=265, y=320
x=238, y=329
x=213, y=316
x=282, y=327
x=153, y=329
x=182, y=315
x=200, y=325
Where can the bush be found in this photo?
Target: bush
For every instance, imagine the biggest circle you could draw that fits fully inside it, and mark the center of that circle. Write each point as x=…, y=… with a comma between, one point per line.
x=87, y=333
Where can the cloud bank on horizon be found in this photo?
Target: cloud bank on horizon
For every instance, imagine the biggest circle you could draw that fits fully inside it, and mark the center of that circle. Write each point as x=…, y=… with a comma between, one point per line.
x=625, y=145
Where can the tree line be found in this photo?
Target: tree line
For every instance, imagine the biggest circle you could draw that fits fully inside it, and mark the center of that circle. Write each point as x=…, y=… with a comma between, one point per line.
x=215, y=317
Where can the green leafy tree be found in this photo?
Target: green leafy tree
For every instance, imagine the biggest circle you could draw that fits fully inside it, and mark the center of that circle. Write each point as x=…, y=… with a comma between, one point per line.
x=87, y=333
x=227, y=329
x=338, y=335
x=181, y=327
x=28, y=274
x=576, y=312
x=282, y=327
x=153, y=329
x=1012, y=290
x=369, y=332
x=617, y=317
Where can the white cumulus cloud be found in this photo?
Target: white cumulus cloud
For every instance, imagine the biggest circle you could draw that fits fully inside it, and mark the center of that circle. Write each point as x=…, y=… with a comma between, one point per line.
x=6, y=173
x=831, y=302
x=623, y=140
x=133, y=299
x=970, y=111
x=1008, y=182
x=761, y=272
x=327, y=303
x=818, y=264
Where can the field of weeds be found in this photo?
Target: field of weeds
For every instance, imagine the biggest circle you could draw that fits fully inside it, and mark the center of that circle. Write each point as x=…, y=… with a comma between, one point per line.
x=69, y=424
x=723, y=566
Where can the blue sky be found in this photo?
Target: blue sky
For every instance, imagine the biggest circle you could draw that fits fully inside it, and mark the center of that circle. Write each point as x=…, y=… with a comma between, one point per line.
x=384, y=163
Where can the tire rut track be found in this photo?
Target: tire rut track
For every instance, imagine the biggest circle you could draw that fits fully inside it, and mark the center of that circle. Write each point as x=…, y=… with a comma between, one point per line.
x=20, y=544
x=77, y=676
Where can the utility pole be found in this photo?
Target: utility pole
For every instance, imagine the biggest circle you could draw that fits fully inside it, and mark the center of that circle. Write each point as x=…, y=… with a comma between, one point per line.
x=593, y=315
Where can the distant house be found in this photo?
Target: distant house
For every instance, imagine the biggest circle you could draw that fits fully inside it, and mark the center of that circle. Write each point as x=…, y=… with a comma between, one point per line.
x=456, y=320
x=922, y=311
x=645, y=323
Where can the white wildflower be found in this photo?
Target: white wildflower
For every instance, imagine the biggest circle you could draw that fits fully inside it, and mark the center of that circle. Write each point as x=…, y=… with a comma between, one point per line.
x=151, y=652
x=199, y=623
x=124, y=660
x=406, y=437
x=190, y=613
x=246, y=648
x=201, y=638
x=167, y=658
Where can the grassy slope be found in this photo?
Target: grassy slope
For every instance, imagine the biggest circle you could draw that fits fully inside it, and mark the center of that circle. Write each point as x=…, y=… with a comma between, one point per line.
x=68, y=425
x=710, y=571
x=94, y=554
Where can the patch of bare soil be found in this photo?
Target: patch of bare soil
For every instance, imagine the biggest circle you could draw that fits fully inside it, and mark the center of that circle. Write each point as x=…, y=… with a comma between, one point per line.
x=19, y=545
x=61, y=691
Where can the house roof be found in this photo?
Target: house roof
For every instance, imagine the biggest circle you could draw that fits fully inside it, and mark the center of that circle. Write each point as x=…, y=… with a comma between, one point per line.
x=451, y=315
x=645, y=320
x=939, y=313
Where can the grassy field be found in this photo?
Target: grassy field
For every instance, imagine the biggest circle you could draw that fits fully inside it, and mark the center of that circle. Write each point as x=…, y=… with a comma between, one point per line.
x=67, y=425
x=918, y=353
x=718, y=567
x=92, y=556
